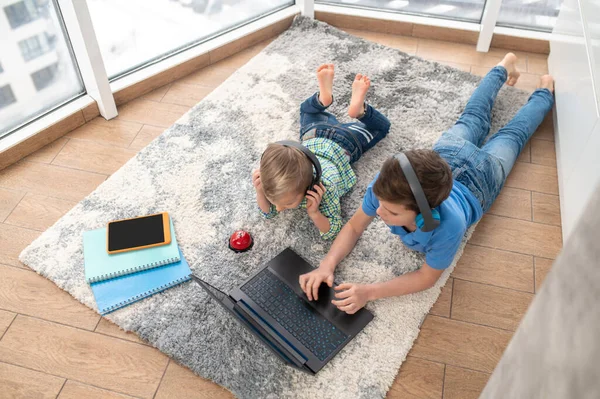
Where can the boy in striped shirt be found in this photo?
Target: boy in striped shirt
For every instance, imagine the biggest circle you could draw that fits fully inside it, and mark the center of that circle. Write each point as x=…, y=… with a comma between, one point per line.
x=285, y=173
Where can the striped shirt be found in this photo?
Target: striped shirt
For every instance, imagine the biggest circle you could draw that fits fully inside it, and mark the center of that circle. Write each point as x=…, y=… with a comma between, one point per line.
x=337, y=177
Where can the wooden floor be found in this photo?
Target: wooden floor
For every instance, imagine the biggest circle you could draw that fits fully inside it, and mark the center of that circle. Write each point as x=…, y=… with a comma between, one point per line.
x=52, y=346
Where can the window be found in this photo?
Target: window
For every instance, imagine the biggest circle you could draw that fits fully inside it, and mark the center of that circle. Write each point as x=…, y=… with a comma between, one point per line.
x=44, y=77
x=33, y=47
x=6, y=96
x=529, y=14
x=21, y=13
x=38, y=86
x=469, y=10
x=132, y=33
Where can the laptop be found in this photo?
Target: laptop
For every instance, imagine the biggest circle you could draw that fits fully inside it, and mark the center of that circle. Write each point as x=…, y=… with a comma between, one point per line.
x=272, y=306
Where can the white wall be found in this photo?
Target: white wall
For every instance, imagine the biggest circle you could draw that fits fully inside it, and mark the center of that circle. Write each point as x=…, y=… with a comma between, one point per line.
x=575, y=63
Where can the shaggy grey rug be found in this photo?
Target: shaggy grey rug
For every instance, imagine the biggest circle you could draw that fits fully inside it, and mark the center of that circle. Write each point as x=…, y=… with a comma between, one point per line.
x=199, y=170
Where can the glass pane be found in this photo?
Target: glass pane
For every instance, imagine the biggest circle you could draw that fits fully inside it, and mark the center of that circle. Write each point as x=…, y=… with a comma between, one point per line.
x=464, y=10
x=132, y=33
x=529, y=14
x=37, y=70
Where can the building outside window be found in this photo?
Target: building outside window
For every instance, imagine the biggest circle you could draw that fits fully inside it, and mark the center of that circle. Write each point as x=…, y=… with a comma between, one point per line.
x=37, y=62
x=34, y=46
x=21, y=13
x=7, y=96
x=44, y=77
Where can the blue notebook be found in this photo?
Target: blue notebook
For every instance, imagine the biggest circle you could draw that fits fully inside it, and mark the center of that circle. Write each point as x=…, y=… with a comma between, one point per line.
x=124, y=290
x=99, y=265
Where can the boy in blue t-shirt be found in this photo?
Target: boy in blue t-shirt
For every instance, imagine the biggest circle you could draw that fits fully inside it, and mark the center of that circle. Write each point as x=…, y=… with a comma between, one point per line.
x=461, y=177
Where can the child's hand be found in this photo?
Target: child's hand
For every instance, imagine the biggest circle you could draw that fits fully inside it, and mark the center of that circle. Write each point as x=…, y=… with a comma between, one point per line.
x=313, y=198
x=256, y=180
x=351, y=297
x=310, y=282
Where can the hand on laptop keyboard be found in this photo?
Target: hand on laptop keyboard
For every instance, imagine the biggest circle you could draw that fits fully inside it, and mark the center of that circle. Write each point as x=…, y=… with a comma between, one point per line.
x=351, y=297
x=310, y=282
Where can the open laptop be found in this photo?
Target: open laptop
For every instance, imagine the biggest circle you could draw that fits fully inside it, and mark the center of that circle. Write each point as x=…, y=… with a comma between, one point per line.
x=304, y=334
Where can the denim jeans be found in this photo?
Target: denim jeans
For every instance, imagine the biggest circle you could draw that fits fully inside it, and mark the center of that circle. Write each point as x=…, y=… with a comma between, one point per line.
x=356, y=138
x=483, y=168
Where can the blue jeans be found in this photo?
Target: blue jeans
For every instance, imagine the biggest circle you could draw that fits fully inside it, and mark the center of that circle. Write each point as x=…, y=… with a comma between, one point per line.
x=356, y=138
x=483, y=168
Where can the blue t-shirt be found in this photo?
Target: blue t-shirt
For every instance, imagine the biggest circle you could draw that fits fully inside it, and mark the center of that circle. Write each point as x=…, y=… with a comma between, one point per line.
x=459, y=211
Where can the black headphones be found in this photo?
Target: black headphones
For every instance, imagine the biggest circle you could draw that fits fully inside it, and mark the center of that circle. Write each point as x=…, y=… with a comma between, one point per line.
x=311, y=157
x=428, y=219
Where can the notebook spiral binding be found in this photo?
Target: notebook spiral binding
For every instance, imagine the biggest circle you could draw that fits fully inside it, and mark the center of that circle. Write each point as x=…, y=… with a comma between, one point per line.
x=145, y=294
x=131, y=270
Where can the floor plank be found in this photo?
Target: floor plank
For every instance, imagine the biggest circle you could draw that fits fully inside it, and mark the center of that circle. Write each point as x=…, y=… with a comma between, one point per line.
x=88, y=357
x=181, y=383
x=47, y=153
x=460, y=344
x=533, y=177
x=546, y=209
x=21, y=383
x=240, y=59
x=542, y=267
x=211, y=76
x=513, y=203
x=518, y=236
x=151, y=112
x=442, y=306
x=107, y=327
x=543, y=152
x=50, y=180
x=114, y=132
x=145, y=136
x=28, y=293
x=77, y=390
x=92, y=157
x=13, y=240
x=38, y=212
x=6, y=318
x=496, y=267
x=188, y=95
x=537, y=63
x=527, y=81
x=489, y=306
x=460, y=383
x=465, y=54
x=9, y=199
x=418, y=379
x=452, y=35
x=157, y=94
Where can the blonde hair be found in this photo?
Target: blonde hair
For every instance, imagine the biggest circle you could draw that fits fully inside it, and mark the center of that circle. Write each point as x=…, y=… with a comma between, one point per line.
x=284, y=170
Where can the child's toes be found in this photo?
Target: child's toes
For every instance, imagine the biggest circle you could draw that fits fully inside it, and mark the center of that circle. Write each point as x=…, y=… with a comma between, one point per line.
x=358, y=76
x=320, y=68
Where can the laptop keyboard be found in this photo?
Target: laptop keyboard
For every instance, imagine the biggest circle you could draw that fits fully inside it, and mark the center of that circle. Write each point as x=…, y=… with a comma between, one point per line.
x=316, y=333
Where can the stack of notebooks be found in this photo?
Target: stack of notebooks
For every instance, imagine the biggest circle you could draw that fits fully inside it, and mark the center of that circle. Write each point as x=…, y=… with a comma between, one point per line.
x=121, y=279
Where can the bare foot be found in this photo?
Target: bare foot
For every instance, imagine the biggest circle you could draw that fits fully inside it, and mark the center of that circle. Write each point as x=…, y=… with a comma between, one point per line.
x=546, y=82
x=360, y=87
x=509, y=62
x=325, y=77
